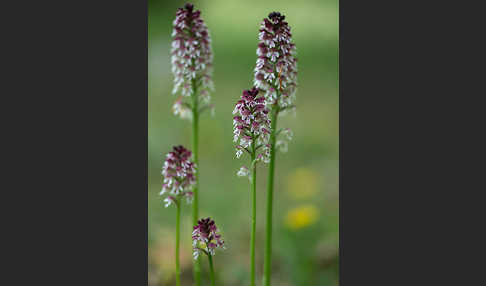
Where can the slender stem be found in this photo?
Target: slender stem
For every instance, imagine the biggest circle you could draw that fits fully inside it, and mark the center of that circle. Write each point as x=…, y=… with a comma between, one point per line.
x=178, y=230
x=195, y=143
x=211, y=268
x=267, y=264
x=253, y=215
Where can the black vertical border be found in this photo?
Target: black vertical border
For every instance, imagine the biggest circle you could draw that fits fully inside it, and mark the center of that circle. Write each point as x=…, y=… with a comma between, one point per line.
x=82, y=152
x=77, y=112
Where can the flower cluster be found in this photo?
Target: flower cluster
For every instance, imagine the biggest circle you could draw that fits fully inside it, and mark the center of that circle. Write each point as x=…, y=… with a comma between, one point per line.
x=179, y=175
x=191, y=55
x=206, y=238
x=251, y=125
x=276, y=66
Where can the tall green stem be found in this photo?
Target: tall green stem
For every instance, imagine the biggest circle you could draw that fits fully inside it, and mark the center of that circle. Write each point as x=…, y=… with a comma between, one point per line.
x=253, y=215
x=178, y=230
x=267, y=264
x=195, y=143
x=211, y=268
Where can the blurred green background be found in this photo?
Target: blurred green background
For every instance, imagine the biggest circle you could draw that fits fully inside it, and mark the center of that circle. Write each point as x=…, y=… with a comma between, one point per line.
x=306, y=203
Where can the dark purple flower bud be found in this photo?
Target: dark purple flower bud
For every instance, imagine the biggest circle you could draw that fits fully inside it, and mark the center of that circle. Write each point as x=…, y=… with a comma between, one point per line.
x=189, y=7
x=238, y=119
x=254, y=125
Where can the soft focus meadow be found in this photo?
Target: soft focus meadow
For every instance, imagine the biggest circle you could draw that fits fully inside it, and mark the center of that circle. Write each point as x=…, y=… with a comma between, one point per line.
x=306, y=196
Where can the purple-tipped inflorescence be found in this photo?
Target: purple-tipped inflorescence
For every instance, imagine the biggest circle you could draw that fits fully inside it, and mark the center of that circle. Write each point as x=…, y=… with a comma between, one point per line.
x=251, y=125
x=192, y=56
x=179, y=175
x=276, y=66
x=206, y=238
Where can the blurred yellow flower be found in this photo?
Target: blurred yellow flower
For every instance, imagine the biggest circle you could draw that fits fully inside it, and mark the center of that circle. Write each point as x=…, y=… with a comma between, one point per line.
x=302, y=183
x=301, y=217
